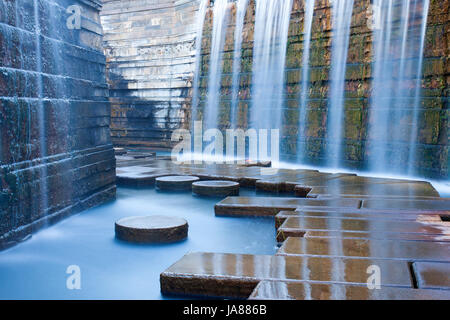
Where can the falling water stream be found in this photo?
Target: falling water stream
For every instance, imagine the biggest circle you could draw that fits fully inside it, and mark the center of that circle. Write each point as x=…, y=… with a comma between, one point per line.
x=396, y=86
x=220, y=23
x=342, y=18
x=269, y=61
x=241, y=9
x=304, y=89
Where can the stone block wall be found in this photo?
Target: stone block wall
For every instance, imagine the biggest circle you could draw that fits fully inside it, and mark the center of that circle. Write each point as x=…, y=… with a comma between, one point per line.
x=432, y=145
x=150, y=48
x=56, y=156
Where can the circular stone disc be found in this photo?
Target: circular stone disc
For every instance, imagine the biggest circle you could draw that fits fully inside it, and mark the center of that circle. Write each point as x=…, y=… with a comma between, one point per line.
x=216, y=188
x=152, y=229
x=176, y=183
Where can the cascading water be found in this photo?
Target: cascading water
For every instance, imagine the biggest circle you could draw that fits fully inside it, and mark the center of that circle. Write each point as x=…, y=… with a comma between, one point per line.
x=241, y=8
x=269, y=59
x=342, y=17
x=309, y=13
x=41, y=109
x=220, y=22
x=198, y=51
x=398, y=59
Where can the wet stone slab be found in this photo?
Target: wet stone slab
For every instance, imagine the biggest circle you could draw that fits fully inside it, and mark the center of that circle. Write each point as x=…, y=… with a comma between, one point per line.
x=298, y=226
x=270, y=206
x=175, y=183
x=215, y=188
x=348, y=214
x=408, y=205
x=236, y=276
x=152, y=229
x=378, y=236
x=364, y=248
x=432, y=275
x=279, y=290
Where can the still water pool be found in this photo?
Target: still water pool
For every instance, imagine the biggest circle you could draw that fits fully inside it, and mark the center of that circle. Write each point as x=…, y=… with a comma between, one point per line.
x=111, y=269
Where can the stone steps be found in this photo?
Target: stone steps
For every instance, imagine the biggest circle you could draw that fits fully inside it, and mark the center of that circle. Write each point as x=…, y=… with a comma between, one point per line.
x=299, y=226
x=236, y=275
x=279, y=290
x=366, y=248
x=270, y=206
x=432, y=275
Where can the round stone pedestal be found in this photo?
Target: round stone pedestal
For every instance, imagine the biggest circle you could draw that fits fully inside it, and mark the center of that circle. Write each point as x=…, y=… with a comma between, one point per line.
x=175, y=183
x=215, y=188
x=152, y=229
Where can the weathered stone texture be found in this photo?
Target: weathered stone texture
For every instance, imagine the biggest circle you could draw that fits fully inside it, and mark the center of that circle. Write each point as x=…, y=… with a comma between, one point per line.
x=150, y=51
x=56, y=157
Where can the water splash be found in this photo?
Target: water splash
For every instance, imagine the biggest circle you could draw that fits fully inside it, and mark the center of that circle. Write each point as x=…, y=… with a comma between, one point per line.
x=303, y=119
x=220, y=19
x=342, y=17
x=269, y=59
x=241, y=9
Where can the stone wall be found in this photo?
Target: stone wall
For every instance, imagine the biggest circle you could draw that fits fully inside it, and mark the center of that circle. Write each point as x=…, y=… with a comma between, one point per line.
x=56, y=157
x=150, y=51
x=433, y=127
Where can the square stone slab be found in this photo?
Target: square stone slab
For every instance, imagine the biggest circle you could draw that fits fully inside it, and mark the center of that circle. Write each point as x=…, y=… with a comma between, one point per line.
x=278, y=290
x=270, y=206
x=236, y=276
x=365, y=248
x=432, y=275
x=408, y=205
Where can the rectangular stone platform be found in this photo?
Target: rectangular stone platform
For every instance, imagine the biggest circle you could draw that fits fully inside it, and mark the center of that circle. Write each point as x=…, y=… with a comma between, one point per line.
x=378, y=236
x=348, y=214
x=432, y=275
x=298, y=226
x=270, y=206
x=278, y=290
x=236, y=276
x=364, y=248
x=407, y=205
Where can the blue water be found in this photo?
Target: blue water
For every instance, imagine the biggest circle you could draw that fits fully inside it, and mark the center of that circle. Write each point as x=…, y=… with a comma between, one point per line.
x=111, y=269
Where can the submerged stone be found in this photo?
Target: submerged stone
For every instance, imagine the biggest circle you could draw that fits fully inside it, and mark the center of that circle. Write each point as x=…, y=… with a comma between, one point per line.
x=152, y=229
x=175, y=183
x=216, y=188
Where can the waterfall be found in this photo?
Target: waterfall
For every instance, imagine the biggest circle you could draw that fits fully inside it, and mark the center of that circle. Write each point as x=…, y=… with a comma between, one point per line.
x=241, y=9
x=269, y=55
x=309, y=13
x=342, y=17
x=220, y=23
x=41, y=110
x=198, y=50
x=395, y=101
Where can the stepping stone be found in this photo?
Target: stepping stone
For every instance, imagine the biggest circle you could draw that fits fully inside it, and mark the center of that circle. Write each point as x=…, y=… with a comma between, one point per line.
x=378, y=236
x=278, y=290
x=432, y=275
x=408, y=205
x=283, y=215
x=270, y=206
x=138, y=178
x=176, y=183
x=152, y=229
x=141, y=155
x=120, y=151
x=216, y=188
x=298, y=226
x=236, y=275
x=364, y=248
